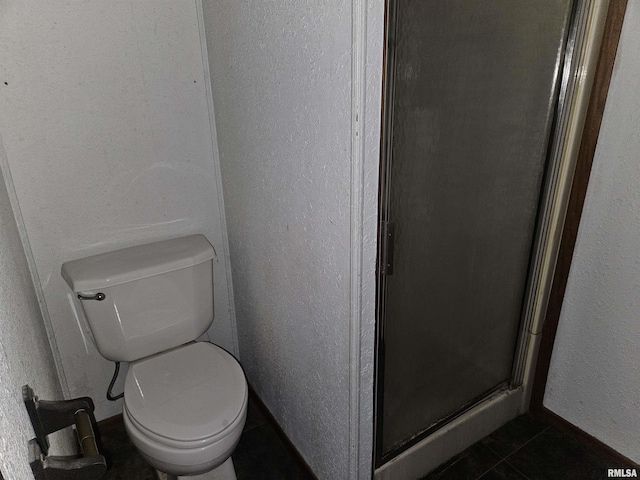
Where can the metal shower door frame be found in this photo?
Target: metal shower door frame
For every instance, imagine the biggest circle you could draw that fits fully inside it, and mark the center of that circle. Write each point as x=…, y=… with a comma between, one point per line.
x=574, y=77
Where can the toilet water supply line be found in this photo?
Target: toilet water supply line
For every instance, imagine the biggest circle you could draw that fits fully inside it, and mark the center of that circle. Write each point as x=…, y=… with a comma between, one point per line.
x=100, y=297
x=110, y=396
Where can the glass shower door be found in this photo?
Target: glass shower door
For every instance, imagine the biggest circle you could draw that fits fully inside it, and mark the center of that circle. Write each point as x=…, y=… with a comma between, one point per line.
x=473, y=88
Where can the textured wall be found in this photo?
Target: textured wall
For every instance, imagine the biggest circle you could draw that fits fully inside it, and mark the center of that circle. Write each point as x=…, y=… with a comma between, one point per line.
x=25, y=356
x=593, y=380
x=104, y=113
x=282, y=78
x=372, y=69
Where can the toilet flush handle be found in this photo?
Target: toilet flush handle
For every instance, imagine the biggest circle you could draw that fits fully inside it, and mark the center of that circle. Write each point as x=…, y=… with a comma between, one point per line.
x=98, y=296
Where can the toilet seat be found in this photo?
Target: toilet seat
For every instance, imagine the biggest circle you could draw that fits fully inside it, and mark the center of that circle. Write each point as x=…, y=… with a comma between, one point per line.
x=187, y=397
x=151, y=437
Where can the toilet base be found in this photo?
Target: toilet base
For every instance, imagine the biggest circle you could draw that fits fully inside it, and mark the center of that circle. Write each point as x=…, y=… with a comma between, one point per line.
x=223, y=472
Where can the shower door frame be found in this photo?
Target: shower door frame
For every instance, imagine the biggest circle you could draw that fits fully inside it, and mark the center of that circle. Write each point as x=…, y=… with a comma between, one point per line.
x=576, y=74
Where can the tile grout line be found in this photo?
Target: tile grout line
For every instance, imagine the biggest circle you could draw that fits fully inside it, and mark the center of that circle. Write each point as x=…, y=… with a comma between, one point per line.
x=501, y=457
x=483, y=473
x=521, y=446
x=253, y=427
x=492, y=467
x=506, y=459
x=527, y=478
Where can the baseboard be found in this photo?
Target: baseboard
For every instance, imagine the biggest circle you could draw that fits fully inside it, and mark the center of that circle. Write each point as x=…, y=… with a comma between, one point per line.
x=592, y=442
x=108, y=421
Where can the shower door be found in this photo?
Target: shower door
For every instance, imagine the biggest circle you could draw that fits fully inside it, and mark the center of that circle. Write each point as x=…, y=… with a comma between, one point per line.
x=471, y=93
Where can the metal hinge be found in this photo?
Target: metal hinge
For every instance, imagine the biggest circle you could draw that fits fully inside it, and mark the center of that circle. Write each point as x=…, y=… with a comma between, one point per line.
x=387, y=248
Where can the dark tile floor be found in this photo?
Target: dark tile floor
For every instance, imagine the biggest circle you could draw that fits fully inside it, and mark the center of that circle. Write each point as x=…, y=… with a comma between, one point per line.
x=528, y=448
x=261, y=453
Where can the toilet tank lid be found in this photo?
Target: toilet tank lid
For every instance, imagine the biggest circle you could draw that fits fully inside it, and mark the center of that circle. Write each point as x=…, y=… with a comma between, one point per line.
x=136, y=263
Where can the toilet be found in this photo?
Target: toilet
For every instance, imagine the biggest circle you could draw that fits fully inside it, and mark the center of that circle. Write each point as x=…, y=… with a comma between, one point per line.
x=185, y=402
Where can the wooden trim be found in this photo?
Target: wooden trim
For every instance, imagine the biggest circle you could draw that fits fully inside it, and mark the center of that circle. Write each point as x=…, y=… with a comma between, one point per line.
x=592, y=443
x=595, y=111
x=108, y=422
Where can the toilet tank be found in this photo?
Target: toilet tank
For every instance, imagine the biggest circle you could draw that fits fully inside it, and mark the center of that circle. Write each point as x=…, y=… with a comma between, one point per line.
x=156, y=296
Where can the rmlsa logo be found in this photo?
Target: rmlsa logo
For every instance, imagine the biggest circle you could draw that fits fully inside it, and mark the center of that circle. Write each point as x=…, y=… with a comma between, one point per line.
x=622, y=472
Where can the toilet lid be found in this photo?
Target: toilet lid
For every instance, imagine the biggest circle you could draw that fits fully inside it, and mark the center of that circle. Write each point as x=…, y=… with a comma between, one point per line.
x=175, y=394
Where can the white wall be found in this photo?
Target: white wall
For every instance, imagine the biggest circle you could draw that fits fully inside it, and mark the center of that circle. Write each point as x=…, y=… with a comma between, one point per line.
x=25, y=356
x=104, y=114
x=296, y=87
x=593, y=379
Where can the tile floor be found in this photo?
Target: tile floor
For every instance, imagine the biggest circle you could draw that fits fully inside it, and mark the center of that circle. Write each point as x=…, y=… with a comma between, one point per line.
x=527, y=448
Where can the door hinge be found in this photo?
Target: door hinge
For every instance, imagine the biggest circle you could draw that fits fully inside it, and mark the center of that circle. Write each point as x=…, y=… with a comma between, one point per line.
x=387, y=248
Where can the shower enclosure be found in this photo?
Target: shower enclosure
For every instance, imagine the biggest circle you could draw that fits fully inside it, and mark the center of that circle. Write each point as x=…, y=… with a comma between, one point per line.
x=476, y=95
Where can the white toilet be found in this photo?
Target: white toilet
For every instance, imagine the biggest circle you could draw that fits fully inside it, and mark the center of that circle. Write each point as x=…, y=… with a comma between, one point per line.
x=185, y=402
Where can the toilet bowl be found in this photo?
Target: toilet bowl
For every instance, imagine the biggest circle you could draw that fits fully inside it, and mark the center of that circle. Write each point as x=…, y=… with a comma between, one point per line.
x=178, y=461
x=185, y=409
x=185, y=402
